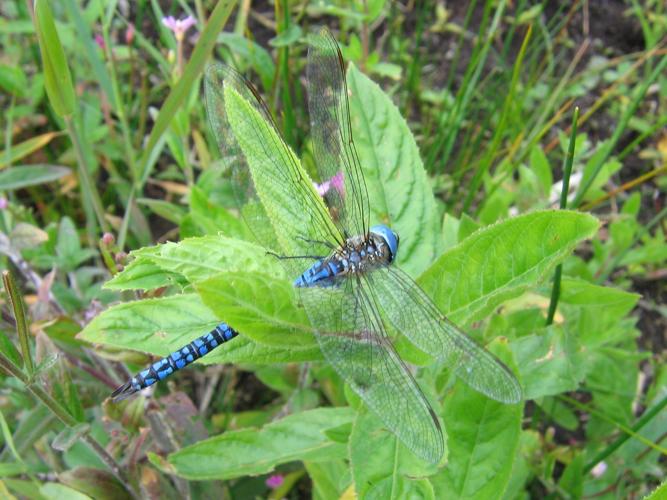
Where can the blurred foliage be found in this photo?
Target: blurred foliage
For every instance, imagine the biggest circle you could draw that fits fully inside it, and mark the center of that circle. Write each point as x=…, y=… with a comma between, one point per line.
x=104, y=131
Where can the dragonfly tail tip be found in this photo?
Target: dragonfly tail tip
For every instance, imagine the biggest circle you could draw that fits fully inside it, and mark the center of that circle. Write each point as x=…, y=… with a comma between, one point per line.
x=123, y=392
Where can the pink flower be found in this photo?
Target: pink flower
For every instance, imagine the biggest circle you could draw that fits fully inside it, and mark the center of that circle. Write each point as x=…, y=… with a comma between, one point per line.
x=179, y=26
x=99, y=40
x=337, y=182
x=3, y=203
x=275, y=481
x=129, y=34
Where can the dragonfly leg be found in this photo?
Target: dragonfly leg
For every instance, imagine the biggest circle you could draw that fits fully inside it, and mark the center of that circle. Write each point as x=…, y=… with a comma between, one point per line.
x=284, y=257
x=327, y=244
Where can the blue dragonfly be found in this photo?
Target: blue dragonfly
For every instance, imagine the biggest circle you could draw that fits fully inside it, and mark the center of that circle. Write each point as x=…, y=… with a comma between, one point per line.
x=356, y=299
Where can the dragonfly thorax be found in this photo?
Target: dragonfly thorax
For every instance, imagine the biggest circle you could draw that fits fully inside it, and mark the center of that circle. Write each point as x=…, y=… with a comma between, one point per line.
x=360, y=254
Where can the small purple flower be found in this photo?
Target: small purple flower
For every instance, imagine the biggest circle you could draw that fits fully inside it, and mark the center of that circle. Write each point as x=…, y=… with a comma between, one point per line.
x=337, y=182
x=275, y=481
x=99, y=40
x=3, y=203
x=179, y=26
x=599, y=469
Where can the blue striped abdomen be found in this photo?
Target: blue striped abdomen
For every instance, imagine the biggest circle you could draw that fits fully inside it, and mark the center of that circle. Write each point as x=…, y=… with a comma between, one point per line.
x=321, y=273
x=164, y=367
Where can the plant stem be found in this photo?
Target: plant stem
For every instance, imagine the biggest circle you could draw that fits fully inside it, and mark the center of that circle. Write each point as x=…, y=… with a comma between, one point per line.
x=88, y=189
x=567, y=170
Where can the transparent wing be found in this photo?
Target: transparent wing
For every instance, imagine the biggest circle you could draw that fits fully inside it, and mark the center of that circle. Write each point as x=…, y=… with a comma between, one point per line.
x=274, y=179
x=333, y=146
x=353, y=339
x=413, y=313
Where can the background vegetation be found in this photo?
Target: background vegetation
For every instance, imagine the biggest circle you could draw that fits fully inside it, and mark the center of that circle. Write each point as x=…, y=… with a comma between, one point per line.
x=104, y=131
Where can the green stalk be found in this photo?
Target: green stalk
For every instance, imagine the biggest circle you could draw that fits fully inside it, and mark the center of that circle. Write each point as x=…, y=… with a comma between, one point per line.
x=88, y=189
x=567, y=170
x=616, y=444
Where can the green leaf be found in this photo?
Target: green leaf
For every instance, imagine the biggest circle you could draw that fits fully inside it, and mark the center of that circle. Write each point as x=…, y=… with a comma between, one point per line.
x=539, y=165
x=169, y=211
x=23, y=149
x=195, y=259
x=56, y=491
x=397, y=182
x=143, y=274
x=659, y=493
x=382, y=467
x=57, y=79
x=13, y=80
x=261, y=307
x=502, y=261
x=594, y=312
x=99, y=484
x=483, y=436
x=328, y=479
x=158, y=326
x=245, y=350
x=19, y=177
x=248, y=452
x=550, y=362
x=214, y=219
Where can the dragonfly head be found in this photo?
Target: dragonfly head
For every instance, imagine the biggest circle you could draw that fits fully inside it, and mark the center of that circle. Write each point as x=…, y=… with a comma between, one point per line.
x=389, y=237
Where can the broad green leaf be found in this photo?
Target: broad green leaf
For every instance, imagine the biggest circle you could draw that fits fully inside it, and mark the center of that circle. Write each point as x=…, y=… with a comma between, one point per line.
x=593, y=313
x=22, y=176
x=195, y=259
x=245, y=452
x=483, y=436
x=530, y=443
x=660, y=493
x=57, y=79
x=398, y=186
x=56, y=491
x=24, y=148
x=502, y=261
x=158, y=326
x=382, y=467
x=212, y=218
x=143, y=274
x=245, y=350
x=261, y=307
x=329, y=479
x=13, y=80
x=201, y=258
x=550, y=362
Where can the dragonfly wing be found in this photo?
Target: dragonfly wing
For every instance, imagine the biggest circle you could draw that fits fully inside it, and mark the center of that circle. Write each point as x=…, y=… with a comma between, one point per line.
x=266, y=174
x=413, y=313
x=335, y=154
x=353, y=339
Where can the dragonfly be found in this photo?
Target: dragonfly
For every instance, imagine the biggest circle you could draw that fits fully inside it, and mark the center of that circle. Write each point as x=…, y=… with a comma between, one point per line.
x=356, y=299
